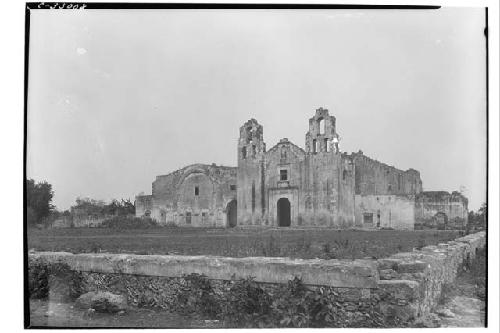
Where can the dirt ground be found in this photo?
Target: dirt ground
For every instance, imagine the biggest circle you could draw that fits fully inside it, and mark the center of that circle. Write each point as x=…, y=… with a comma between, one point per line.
x=52, y=314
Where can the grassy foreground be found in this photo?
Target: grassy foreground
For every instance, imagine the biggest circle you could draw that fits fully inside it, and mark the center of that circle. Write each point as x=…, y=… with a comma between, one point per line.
x=315, y=243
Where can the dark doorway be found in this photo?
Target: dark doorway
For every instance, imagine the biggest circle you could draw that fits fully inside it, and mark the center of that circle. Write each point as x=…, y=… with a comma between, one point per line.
x=284, y=212
x=232, y=213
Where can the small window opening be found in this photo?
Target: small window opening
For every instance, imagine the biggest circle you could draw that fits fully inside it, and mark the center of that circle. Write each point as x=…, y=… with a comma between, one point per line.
x=244, y=152
x=196, y=190
x=368, y=218
x=283, y=175
x=327, y=149
x=254, y=150
x=232, y=187
x=315, y=146
x=389, y=188
x=344, y=175
x=322, y=126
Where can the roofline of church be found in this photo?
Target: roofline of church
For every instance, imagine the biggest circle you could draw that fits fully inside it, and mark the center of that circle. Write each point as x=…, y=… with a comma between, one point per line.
x=287, y=141
x=213, y=165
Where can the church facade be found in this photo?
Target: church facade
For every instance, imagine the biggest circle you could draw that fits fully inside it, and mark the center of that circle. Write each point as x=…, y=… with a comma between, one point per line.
x=290, y=186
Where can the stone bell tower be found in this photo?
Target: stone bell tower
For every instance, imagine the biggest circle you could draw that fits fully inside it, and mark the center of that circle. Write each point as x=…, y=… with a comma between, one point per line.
x=250, y=179
x=322, y=136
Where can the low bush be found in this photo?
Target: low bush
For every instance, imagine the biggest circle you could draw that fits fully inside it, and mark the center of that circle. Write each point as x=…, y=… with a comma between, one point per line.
x=247, y=304
x=198, y=296
x=56, y=279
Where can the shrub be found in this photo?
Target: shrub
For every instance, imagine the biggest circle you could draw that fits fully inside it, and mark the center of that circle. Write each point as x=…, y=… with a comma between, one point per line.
x=247, y=304
x=290, y=308
x=198, y=296
x=55, y=278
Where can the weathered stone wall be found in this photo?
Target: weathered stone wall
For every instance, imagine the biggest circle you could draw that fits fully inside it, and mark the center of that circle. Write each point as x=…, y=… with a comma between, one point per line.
x=197, y=195
x=405, y=285
x=425, y=271
x=63, y=222
x=374, y=177
x=143, y=205
x=385, y=211
x=441, y=210
x=336, y=273
x=88, y=221
x=285, y=156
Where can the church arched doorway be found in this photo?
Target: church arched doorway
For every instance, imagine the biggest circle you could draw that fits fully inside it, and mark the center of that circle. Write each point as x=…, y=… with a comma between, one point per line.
x=232, y=213
x=284, y=212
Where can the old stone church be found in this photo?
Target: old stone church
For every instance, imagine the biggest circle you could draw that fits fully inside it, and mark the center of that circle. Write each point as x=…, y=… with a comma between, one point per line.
x=291, y=186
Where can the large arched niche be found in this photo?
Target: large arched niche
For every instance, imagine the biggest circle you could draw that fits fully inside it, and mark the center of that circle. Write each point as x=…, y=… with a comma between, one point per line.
x=232, y=213
x=196, y=191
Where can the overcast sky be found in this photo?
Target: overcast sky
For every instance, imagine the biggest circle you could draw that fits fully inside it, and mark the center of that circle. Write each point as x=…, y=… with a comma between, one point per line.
x=117, y=97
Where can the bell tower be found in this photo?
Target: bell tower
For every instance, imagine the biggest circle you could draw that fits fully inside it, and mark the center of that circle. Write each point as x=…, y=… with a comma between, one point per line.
x=251, y=144
x=322, y=136
x=250, y=178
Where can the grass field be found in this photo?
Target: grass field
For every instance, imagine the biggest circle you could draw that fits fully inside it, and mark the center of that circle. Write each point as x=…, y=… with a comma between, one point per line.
x=315, y=243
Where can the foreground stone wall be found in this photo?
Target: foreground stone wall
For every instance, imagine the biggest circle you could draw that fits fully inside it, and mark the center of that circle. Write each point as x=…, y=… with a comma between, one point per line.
x=427, y=270
x=404, y=286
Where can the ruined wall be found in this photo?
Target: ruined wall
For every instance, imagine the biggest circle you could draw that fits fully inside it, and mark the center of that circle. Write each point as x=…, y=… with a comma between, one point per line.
x=441, y=210
x=426, y=271
x=143, y=205
x=374, y=177
x=196, y=195
x=385, y=211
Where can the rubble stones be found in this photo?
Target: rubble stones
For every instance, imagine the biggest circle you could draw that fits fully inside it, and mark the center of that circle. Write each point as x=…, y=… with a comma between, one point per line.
x=102, y=302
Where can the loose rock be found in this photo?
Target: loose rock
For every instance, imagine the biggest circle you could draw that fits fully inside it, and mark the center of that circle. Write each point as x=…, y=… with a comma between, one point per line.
x=102, y=302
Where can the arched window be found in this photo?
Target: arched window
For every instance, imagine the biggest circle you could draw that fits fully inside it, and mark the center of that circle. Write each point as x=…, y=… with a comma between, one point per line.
x=322, y=126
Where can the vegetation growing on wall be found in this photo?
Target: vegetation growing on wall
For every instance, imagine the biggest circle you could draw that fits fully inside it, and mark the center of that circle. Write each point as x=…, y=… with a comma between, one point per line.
x=56, y=279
